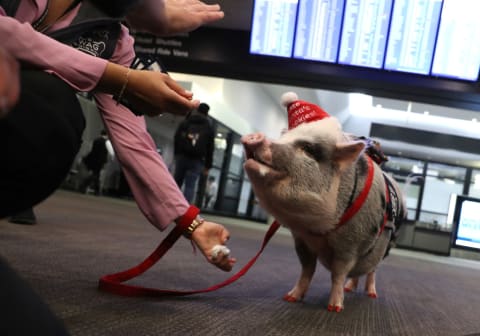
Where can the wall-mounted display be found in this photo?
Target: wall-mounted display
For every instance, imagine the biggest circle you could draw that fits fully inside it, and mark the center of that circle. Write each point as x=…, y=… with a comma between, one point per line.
x=467, y=219
x=437, y=38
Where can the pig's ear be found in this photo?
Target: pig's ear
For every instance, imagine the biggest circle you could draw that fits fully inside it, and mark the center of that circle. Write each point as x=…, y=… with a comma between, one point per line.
x=348, y=152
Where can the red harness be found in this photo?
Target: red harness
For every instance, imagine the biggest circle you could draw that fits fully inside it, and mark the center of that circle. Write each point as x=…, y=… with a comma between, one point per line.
x=358, y=202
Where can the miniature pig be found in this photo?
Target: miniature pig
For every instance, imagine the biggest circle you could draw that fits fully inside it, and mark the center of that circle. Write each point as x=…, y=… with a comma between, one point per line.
x=338, y=204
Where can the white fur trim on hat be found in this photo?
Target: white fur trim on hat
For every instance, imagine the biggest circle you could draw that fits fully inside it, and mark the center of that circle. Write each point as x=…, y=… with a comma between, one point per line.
x=288, y=98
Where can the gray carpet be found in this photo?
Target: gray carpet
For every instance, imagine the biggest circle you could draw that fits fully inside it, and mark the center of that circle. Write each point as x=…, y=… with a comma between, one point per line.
x=79, y=238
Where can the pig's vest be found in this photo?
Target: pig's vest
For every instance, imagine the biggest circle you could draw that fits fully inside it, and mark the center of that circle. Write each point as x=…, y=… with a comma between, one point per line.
x=392, y=213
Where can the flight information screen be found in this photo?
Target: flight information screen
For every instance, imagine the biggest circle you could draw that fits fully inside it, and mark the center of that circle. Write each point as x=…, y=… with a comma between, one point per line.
x=457, y=54
x=365, y=31
x=438, y=38
x=318, y=30
x=273, y=27
x=413, y=31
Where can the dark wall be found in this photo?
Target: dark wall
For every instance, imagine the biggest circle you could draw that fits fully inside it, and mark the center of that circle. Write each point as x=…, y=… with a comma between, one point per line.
x=225, y=53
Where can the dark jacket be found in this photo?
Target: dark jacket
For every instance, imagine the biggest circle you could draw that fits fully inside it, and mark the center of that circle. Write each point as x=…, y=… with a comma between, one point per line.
x=194, y=138
x=97, y=156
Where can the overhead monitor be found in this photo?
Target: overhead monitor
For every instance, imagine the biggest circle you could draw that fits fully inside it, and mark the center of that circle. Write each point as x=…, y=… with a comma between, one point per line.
x=364, y=33
x=435, y=38
x=273, y=27
x=457, y=53
x=413, y=31
x=318, y=30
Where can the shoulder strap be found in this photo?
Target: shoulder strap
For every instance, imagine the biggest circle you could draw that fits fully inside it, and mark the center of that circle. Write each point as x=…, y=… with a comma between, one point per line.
x=92, y=32
x=10, y=6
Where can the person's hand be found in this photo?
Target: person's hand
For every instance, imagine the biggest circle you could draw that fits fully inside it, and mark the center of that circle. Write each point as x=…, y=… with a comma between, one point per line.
x=154, y=93
x=9, y=82
x=186, y=15
x=149, y=92
x=176, y=16
x=206, y=237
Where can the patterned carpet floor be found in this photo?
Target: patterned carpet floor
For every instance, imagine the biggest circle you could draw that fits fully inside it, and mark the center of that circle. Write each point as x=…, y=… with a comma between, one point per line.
x=79, y=238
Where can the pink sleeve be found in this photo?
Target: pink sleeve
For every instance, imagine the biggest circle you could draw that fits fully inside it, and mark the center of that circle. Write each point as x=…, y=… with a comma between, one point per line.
x=152, y=185
x=78, y=69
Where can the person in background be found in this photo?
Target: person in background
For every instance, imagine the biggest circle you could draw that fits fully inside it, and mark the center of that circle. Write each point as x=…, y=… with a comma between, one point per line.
x=47, y=122
x=193, y=149
x=95, y=161
x=211, y=189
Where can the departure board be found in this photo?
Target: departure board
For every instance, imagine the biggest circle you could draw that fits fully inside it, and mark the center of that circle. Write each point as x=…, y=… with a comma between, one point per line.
x=318, y=30
x=457, y=53
x=413, y=31
x=273, y=27
x=364, y=34
x=439, y=38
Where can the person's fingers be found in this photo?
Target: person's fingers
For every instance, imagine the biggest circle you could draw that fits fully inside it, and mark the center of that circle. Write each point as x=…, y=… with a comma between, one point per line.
x=158, y=94
x=225, y=263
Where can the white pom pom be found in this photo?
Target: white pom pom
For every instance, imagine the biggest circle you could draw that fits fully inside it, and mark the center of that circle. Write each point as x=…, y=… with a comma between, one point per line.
x=219, y=248
x=288, y=98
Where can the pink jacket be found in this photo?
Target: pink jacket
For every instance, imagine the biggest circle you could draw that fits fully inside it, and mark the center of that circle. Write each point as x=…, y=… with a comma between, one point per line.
x=153, y=187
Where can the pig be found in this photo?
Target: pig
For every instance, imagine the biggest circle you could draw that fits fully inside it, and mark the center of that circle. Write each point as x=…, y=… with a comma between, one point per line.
x=308, y=179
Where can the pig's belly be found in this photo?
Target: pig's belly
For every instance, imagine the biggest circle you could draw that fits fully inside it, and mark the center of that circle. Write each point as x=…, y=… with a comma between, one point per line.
x=320, y=246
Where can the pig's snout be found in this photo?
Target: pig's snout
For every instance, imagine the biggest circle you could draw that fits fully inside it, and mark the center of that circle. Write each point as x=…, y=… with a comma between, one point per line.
x=257, y=147
x=253, y=140
x=252, y=143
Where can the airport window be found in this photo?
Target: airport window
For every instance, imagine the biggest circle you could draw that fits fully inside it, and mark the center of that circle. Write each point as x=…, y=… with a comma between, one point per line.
x=409, y=175
x=441, y=182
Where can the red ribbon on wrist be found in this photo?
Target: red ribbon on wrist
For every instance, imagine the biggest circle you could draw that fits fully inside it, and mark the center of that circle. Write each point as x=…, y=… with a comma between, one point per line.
x=187, y=219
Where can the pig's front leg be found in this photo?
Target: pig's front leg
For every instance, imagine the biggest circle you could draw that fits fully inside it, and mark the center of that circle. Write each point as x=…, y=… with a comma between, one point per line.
x=370, y=285
x=308, y=260
x=339, y=270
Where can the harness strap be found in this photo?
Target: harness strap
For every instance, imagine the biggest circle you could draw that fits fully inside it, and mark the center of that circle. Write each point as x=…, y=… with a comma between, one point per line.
x=388, y=202
x=113, y=283
x=357, y=204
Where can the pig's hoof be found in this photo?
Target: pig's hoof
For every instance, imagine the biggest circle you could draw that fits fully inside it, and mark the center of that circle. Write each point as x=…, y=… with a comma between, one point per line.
x=372, y=295
x=290, y=298
x=332, y=308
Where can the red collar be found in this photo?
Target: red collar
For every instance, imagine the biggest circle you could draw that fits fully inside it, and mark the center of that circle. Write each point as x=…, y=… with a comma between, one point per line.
x=358, y=202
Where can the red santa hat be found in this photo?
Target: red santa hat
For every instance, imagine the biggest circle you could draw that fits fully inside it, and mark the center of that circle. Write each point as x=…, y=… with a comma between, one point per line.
x=300, y=111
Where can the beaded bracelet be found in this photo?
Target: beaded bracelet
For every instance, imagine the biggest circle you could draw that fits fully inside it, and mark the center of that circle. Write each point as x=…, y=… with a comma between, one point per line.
x=124, y=86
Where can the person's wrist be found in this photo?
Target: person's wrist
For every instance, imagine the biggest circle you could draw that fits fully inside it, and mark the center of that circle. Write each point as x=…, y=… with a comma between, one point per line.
x=188, y=233
x=190, y=221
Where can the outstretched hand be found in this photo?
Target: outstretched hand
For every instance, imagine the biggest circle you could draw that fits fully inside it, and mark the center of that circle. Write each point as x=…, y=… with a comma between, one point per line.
x=175, y=17
x=149, y=92
x=186, y=15
x=9, y=82
x=208, y=237
x=154, y=93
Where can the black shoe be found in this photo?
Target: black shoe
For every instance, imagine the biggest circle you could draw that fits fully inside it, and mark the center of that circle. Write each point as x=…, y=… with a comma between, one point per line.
x=25, y=217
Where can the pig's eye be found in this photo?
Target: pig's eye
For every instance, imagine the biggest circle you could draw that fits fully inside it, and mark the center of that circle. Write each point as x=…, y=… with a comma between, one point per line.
x=310, y=149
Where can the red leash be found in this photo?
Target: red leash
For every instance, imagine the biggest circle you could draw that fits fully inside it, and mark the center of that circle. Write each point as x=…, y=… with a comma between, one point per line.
x=113, y=283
